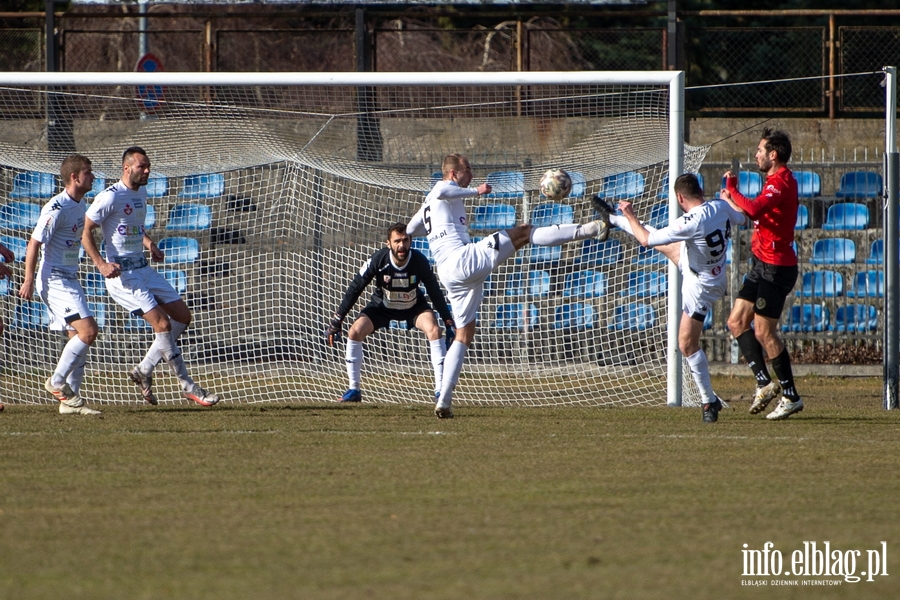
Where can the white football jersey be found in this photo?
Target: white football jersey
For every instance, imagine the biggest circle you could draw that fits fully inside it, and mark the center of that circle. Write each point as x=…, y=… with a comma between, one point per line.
x=443, y=219
x=59, y=229
x=120, y=213
x=705, y=231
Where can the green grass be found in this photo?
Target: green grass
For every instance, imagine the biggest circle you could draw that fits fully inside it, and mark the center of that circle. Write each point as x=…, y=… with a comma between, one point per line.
x=372, y=501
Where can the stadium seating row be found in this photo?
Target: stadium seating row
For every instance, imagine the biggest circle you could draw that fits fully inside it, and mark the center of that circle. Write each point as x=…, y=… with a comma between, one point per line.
x=854, y=184
x=842, y=251
x=23, y=216
x=830, y=284
x=636, y=316
x=816, y=318
x=34, y=184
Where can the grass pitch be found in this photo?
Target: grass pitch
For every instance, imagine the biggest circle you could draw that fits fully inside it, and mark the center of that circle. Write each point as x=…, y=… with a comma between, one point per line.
x=373, y=501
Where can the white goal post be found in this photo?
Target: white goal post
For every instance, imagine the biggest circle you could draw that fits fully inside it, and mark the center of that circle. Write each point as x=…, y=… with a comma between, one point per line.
x=274, y=188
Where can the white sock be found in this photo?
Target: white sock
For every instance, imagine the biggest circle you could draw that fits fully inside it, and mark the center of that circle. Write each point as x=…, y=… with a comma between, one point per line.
x=700, y=372
x=438, y=352
x=623, y=224
x=77, y=375
x=154, y=354
x=453, y=363
x=74, y=352
x=556, y=235
x=354, y=356
x=172, y=354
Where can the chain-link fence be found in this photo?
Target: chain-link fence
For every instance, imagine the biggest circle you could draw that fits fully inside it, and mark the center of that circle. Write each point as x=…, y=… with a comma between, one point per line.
x=22, y=49
x=865, y=49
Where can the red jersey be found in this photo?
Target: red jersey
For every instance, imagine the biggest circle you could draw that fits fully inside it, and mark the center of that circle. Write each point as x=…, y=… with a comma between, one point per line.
x=774, y=215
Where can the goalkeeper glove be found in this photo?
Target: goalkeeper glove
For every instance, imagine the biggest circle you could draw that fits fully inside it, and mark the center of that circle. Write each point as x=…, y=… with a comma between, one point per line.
x=333, y=331
x=449, y=331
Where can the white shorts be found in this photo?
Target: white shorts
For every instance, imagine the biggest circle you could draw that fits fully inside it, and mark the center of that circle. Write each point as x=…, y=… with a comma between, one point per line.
x=697, y=297
x=141, y=290
x=466, y=270
x=64, y=296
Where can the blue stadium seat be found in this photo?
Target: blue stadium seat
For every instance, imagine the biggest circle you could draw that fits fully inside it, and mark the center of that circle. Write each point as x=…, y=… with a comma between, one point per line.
x=99, y=310
x=94, y=284
x=649, y=256
x=594, y=252
x=833, y=251
x=621, y=186
x=493, y=217
x=552, y=214
x=17, y=246
x=540, y=255
x=538, y=284
x=517, y=315
x=636, y=316
x=98, y=186
x=867, y=284
x=809, y=184
x=853, y=318
x=506, y=184
x=821, y=284
x=177, y=279
x=807, y=318
x=189, y=217
x=876, y=253
x=157, y=187
x=578, y=184
x=19, y=216
x=435, y=177
x=575, y=315
x=150, y=218
x=421, y=244
x=860, y=184
x=846, y=215
x=749, y=183
x=179, y=250
x=646, y=284
x=33, y=184
x=802, y=217
x=659, y=215
x=202, y=187
x=585, y=284
x=31, y=314
x=137, y=324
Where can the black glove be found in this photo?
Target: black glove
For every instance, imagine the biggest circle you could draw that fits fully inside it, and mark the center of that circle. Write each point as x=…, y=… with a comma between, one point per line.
x=333, y=331
x=449, y=331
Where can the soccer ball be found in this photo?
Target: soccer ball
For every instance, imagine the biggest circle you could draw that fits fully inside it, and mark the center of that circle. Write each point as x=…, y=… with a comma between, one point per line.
x=556, y=184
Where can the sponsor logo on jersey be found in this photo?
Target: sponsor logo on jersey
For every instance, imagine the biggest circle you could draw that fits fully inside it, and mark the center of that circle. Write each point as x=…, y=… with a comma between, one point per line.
x=138, y=204
x=462, y=220
x=126, y=230
x=70, y=243
x=128, y=210
x=400, y=283
x=412, y=279
x=56, y=205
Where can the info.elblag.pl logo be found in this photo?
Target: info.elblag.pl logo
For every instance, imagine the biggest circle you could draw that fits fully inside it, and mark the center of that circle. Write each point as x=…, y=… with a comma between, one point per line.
x=812, y=564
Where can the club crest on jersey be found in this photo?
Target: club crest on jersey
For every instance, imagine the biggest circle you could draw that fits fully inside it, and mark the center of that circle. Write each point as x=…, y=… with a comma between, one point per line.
x=717, y=269
x=128, y=210
x=387, y=279
x=462, y=220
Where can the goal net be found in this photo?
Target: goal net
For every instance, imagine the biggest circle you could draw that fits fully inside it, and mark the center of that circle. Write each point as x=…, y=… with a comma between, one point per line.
x=269, y=192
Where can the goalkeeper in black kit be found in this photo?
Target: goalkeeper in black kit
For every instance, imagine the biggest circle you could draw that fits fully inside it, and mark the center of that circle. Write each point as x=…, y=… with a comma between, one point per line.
x=397, y=271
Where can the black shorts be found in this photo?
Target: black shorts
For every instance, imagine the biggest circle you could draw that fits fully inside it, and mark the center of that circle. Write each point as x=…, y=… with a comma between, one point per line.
x=381, y=317
x=767, y=287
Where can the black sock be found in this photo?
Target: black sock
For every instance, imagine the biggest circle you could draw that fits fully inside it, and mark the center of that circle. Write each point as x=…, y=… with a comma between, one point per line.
x=781, y=364
x=752, y=351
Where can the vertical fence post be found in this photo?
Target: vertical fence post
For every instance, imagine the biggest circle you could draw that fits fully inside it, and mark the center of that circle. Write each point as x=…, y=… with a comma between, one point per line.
x=891, y=247
x=369, y=143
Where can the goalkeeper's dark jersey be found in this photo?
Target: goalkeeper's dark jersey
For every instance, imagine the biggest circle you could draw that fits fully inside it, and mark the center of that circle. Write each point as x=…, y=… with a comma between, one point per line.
x=397, y=288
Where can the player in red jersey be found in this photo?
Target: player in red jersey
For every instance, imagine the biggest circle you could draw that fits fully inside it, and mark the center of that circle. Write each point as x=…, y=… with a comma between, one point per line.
x=773, y=273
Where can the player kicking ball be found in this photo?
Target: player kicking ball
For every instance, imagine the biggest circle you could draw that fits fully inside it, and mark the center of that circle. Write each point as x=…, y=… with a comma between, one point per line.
x=697, y=242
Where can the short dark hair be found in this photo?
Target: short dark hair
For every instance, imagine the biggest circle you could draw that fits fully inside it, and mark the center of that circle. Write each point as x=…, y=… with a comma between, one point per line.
x=131, y=152
x=397, y=228
x=72, y=164
x=688, y=185
x=779, y=142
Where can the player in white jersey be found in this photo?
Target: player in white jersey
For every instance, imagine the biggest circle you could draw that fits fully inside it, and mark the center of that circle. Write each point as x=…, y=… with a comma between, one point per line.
x=463, y=266
x=119, y=212
x=7, y=256
x=59, y=230
x=697, y=242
